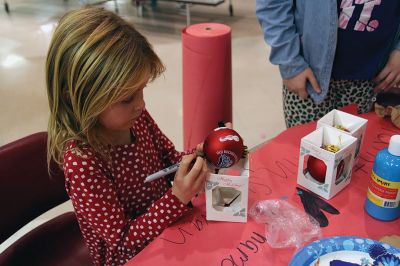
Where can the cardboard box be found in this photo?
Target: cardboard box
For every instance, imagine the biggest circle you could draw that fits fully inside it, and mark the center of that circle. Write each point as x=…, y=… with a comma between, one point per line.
x=338, y=165
x=227, y=193
x=355, y=125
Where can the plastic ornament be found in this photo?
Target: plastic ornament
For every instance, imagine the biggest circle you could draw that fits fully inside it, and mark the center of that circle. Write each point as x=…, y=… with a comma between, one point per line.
x=223, y=147
x=317, y=169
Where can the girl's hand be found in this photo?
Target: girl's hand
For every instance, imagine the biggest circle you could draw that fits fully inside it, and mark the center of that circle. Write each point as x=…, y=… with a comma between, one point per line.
x=229, y=125
x=389, y=77
x=199, y=150
x=188, y=182
x=297, y=84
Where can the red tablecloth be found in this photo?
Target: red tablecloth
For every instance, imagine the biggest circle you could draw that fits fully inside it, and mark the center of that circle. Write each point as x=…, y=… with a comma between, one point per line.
x=196, y=241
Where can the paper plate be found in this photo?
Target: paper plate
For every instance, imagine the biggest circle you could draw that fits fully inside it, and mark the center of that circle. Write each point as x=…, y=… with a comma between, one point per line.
x=357, y=250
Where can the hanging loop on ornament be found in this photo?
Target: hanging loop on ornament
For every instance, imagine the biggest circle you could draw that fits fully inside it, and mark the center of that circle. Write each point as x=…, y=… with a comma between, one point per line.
x=341, y=128
x=332, y=147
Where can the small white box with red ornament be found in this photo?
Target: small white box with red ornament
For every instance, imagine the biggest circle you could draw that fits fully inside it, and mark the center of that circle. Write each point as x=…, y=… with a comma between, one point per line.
x=348, y=123
x=326, y=161
x=227, y=193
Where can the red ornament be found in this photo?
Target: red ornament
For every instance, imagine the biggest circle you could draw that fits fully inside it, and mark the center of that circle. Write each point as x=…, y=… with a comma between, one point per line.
x=223, y=147
x=317, y=169
x=340, y=169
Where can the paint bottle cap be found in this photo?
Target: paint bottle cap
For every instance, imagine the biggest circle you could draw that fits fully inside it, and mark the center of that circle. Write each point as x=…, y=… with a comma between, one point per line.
x=394, y=145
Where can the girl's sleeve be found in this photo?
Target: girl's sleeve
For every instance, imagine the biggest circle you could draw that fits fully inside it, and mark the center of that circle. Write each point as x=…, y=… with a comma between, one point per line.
x=167, y=149
x=276, y=18
x=95, y=200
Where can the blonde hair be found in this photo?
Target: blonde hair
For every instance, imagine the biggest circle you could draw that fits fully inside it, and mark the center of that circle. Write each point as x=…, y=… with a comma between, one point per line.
x=93, y=60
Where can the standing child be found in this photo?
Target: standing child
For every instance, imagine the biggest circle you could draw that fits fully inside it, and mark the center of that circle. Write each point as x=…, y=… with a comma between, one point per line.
x=332, y=53
x=107, y=143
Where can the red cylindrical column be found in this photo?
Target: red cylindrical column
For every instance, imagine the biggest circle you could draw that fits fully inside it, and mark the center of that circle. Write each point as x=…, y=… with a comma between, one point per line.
x=207, y=80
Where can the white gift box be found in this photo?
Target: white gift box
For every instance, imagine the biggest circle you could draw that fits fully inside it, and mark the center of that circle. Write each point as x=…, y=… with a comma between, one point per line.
x=227, y=193
x=355, y=125
x=338, y=165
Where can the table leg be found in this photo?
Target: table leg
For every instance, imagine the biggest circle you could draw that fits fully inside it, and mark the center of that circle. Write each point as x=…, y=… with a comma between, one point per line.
x=116, y=6
x=6, y=7
x=187, y=14
x=153, y=4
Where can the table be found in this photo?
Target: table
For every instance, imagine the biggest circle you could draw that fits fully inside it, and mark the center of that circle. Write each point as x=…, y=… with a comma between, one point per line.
x=187, y=4
x=195, y=241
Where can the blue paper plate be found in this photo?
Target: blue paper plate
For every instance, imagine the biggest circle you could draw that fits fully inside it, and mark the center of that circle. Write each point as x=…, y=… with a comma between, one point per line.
x=357, y=250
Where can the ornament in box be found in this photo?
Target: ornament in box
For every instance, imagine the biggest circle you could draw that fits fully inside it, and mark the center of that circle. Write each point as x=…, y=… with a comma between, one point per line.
x=320, y=170
x=227, y=189
x=227, y=193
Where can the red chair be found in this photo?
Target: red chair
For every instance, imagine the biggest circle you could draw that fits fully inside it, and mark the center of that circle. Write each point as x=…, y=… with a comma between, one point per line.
x=26, y=191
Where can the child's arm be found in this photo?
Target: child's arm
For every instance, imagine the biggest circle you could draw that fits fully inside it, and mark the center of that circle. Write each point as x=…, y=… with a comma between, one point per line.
x=96, y=203
x=277, y=22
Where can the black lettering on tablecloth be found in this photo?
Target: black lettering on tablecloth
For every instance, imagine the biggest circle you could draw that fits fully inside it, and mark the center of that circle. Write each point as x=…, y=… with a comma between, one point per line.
x=181, y=234
x=198, y=224
x=242, y=255
x=265, y=188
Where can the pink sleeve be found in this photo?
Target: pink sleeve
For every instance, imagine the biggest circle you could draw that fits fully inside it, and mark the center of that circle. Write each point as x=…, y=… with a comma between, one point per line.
x=95, y=200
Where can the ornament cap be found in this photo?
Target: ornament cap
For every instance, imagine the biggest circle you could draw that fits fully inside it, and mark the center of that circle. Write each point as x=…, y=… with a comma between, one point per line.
x=394, y=145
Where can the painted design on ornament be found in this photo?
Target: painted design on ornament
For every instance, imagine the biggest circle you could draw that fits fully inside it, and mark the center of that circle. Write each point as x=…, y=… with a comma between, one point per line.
x=224, y=161
x=229, y=137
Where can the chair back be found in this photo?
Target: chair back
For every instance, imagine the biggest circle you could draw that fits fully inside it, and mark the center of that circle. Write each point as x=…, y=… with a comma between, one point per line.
x=56, y=242
x=26, y=189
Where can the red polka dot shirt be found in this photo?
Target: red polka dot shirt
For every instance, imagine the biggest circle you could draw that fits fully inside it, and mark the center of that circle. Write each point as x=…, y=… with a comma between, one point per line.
x=118, y=213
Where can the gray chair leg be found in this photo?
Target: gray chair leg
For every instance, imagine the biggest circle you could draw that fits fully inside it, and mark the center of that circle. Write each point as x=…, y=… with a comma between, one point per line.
x=116, y=6
x=6, y=7
x=187, y=14
x=153, y=4
x=230, y=8
x=139, y=8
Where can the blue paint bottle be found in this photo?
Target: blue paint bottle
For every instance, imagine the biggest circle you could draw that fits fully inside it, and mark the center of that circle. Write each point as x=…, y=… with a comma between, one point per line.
x=383, y=194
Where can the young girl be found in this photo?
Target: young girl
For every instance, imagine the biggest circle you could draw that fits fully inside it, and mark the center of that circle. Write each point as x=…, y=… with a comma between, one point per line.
x=107, y=143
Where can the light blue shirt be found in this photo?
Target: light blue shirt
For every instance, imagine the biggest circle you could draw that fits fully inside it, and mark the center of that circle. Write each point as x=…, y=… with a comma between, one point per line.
x=303, y=33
